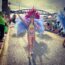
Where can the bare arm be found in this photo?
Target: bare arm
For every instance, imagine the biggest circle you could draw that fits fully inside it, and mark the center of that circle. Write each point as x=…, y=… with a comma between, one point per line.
x=20, y=18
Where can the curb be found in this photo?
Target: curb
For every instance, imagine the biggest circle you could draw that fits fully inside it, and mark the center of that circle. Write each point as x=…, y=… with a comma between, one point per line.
x=3, y=43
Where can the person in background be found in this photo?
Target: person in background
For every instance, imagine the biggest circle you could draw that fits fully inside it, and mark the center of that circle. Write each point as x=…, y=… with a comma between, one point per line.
x=61, y=18
x=13, y=19
x=2, y=26
x=49, y=26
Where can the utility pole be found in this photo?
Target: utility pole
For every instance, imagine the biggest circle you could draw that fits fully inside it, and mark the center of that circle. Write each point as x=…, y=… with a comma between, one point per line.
x=5, y=8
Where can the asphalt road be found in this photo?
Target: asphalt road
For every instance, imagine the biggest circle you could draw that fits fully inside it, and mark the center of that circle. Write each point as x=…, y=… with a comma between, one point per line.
x=48, y=50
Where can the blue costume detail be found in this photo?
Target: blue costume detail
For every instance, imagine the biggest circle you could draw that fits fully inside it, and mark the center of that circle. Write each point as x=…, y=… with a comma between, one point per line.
x=21, y=26
x=61, y=18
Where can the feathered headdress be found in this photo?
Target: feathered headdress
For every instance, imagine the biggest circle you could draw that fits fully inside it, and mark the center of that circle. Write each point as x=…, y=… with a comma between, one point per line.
x=33, y=13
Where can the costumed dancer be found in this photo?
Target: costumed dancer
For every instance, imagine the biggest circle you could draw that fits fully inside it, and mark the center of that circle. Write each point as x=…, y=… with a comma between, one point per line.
x=32, y=25
x=31, y=35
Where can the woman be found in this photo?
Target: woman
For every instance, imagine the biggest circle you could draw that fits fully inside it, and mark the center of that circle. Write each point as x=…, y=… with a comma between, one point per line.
x=32, y=25
x=31, y=35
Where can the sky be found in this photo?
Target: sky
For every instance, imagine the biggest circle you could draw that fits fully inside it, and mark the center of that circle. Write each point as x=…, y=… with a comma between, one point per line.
x=47, y=5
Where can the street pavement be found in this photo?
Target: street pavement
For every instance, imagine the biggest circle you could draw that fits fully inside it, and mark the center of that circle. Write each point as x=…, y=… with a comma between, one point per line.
x=48, y=50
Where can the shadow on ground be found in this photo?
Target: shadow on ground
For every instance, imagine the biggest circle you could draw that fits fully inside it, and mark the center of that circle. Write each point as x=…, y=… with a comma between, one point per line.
x=39, y=50
x=19, y=35
x=44, y=36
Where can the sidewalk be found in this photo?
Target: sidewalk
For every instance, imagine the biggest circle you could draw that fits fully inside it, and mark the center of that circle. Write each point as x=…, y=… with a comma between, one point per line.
x=2, y=44
x=3, y=50
x=1, y=47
